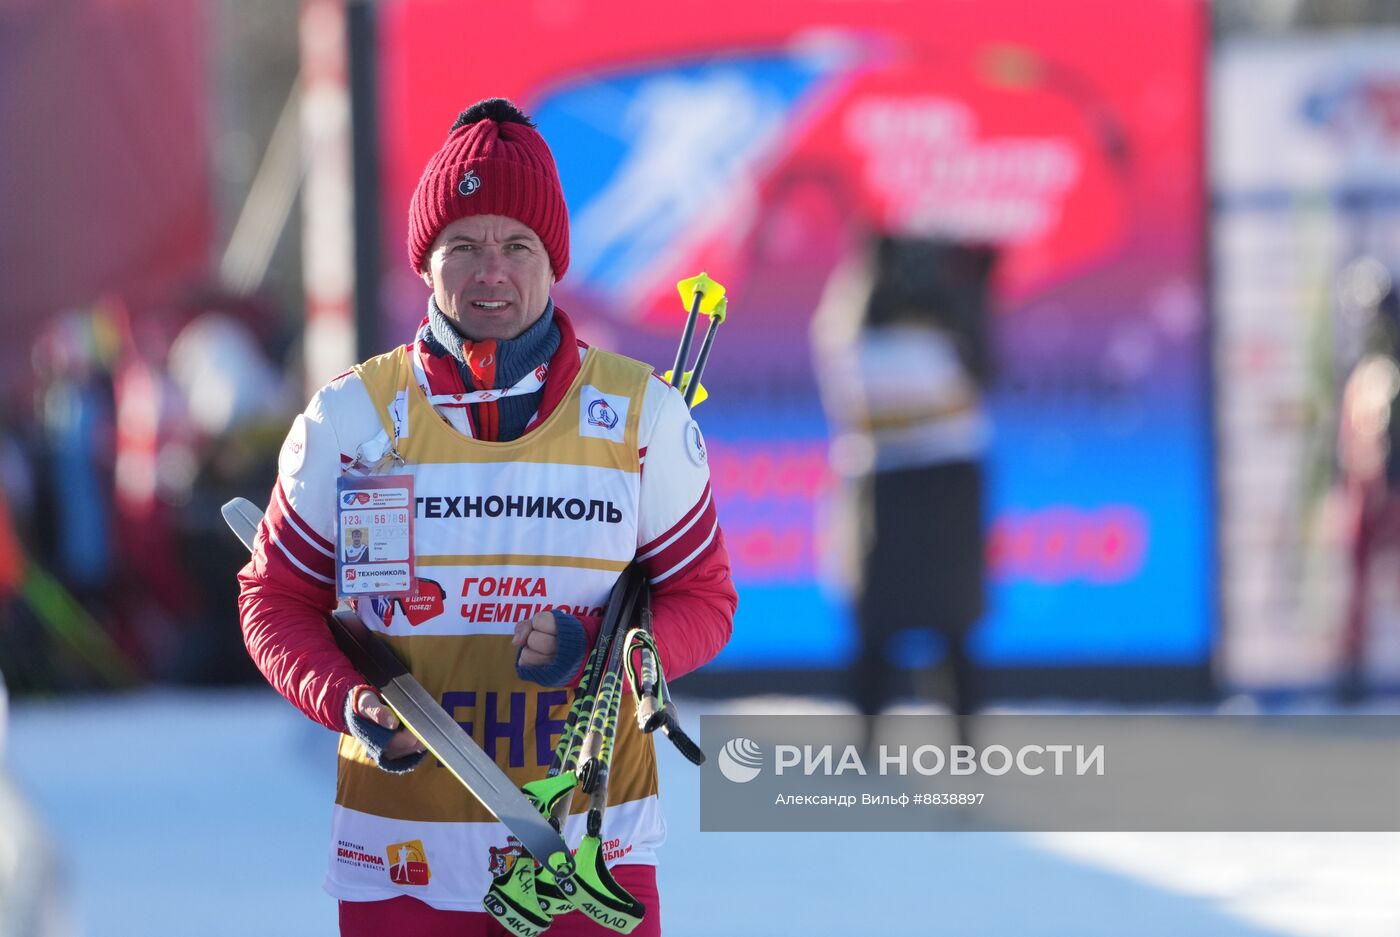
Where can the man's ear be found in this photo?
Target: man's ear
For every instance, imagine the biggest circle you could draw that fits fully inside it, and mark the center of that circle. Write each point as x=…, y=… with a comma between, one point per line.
x=427, y=274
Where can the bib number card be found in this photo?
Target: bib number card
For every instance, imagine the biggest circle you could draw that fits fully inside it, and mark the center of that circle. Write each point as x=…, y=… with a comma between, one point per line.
x=374, y=535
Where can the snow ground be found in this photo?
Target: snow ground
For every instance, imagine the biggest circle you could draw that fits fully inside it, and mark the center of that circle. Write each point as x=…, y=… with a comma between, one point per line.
x=207, y=812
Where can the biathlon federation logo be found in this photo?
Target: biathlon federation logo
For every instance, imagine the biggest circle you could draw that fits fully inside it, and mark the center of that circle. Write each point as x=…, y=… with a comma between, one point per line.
x=408, y=863
x=741, y=760
x=352, y=498
x=601, y=413
x=469, y=184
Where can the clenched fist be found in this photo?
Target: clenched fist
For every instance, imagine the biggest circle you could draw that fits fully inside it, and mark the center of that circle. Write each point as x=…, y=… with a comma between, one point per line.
x=538, y=640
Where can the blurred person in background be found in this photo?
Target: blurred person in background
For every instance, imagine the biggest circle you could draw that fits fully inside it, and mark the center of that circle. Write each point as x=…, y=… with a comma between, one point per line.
x=494, y=397
x=154, y=442
x=1368, y=460
x=901, y=356
x=139, y=415
x=219, y=362
x=237, y=404
x=73, y=497
x=63, y=630
x=76, y=415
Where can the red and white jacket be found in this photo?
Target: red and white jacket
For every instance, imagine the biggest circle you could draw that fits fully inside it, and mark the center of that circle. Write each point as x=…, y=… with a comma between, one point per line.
x=287, y=589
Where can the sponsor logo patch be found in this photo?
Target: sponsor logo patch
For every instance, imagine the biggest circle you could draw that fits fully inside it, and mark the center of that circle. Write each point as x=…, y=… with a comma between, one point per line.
x=408, y=863
x=601, y=413
x=603, y=416
x=469, y=184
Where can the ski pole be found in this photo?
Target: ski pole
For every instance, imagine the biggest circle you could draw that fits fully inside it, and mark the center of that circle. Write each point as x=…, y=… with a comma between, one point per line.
x=546, y=792
x=611, y=905
x=683, y=350
x=596, y=747
x=655, y=708
x=593, y=890
x=716, y=319
x=699, y=294
x=583, y=755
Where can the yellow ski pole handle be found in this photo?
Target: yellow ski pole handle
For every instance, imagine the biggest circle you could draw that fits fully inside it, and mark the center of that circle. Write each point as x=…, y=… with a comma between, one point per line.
x=700, y=294
x=711, y=294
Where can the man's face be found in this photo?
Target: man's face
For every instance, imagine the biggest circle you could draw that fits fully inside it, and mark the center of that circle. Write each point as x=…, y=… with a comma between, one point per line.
x=490, y=275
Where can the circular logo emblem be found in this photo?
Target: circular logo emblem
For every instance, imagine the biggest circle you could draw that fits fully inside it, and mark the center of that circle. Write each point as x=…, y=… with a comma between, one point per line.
x=469, y=184
x=695, y=443
x=740, y=760
x=601, y=413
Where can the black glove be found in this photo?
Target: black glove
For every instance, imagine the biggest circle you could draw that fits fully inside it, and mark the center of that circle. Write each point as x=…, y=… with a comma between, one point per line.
x=375, y=738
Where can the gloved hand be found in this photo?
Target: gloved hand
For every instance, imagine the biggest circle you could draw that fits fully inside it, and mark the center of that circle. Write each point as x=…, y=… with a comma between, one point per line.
x=374, y=724
x=552, y=646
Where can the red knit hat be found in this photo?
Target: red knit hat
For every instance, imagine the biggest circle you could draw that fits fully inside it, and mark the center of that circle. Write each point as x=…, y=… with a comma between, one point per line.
x=494, y=163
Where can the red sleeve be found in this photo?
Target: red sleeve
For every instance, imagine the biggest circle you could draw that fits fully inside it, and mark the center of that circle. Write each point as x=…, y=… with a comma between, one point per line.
x=692, y=609
x=692, y=596
x=285, y=594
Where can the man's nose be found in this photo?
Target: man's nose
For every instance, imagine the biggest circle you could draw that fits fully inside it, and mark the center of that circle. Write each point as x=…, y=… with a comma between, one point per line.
x=492, y=268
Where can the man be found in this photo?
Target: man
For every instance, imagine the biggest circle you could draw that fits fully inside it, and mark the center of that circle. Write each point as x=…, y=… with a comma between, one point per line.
x=509, y=426
x=902, y=355
x=356, y=550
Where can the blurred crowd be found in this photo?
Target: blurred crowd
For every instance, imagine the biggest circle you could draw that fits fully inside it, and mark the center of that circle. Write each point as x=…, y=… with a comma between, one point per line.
x=114, y=567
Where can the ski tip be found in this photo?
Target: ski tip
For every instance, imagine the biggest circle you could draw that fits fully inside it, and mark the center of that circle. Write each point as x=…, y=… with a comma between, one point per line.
x=240, y=508
x=243, y=517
